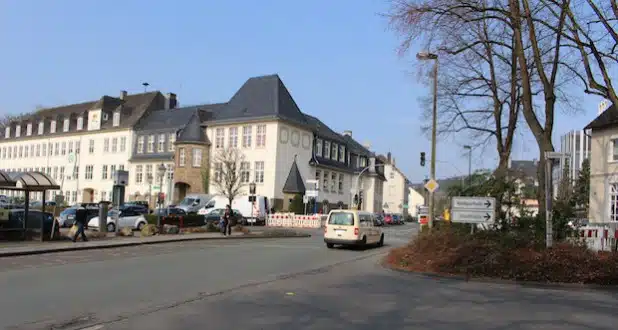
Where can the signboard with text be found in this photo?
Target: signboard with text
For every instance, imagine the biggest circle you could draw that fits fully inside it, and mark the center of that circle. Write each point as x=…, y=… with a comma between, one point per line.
x=473, y=209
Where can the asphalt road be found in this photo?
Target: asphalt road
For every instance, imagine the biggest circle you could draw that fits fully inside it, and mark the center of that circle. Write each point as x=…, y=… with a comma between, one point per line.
x=271, y=284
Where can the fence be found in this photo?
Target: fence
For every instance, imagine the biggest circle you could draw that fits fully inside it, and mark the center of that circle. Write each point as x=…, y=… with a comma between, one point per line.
x=599, y=237
x=293, y=220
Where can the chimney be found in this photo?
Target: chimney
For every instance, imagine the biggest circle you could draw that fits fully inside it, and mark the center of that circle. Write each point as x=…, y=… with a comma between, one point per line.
x=388, y=157
x=367, y=145
x=123, y=95
x=347, y=133
x=603, y=106
x=170, y=101
x=393, y=161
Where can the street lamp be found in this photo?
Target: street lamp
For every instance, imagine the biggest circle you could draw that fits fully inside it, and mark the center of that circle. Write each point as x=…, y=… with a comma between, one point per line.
x=160, y=173
x=469, y=148
x=426, y=56
x=252, y=187
x=149, y=180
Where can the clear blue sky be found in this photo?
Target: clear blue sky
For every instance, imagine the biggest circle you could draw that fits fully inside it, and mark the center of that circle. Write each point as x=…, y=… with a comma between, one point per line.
x=338, y=58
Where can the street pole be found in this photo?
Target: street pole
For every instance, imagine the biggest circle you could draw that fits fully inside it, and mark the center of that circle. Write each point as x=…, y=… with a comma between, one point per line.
x=470, y=167
x=548, y=199
x=434, y=124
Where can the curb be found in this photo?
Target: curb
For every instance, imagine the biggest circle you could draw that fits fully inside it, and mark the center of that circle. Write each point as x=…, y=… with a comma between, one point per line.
x=525, y=284
x=127, y=244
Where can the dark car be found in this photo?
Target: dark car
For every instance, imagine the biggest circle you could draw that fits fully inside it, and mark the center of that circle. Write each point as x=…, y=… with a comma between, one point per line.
x=215, y=215
x=16, y=220
x=378, y=220
x=170, y=211
x=141, y=209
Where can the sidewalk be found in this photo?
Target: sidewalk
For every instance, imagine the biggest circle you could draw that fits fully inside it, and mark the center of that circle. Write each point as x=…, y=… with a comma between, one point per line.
x=29, y=248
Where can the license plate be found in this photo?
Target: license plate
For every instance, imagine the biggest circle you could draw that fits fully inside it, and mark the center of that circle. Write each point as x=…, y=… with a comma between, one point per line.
x=340, y=230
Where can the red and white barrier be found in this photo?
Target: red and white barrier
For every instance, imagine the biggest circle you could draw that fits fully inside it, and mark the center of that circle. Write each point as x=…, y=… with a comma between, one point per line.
x=293, y=221
x=599, y=238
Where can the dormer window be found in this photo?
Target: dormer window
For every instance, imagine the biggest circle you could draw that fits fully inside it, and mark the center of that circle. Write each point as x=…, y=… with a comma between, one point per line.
x=342, y=153
x=18, y=131
x=52, y=127
x=29, y=129
x=65, y=126
x=116, y=119
x=7, y=132
x=41, y=127
x=318, y=147
x=335, y=151
x=327, y=149
x=80, y=123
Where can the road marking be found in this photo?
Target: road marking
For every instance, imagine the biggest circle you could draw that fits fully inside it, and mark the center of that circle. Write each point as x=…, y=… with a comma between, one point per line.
x=94, y=327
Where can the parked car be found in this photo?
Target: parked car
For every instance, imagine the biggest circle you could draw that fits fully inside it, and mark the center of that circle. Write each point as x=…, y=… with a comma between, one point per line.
x=388, y=219
x=215, y=215
x=120, y=218
x=66, y=218
x=169, y=211
x=378, y=220
x=141, y=209
x=397, y=219
x=17, y=216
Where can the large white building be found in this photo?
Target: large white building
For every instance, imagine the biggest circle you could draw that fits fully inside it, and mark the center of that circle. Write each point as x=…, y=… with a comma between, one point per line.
x=395, y=188
x=80, y=146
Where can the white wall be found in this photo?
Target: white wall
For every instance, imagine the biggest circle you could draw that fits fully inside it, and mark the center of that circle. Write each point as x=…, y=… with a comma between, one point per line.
x=292, y=142
x=395, y=193
x=415, y=199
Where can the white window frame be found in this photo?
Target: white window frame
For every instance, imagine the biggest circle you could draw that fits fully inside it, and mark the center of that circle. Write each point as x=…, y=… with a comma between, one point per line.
x=342, y=153
x=233, y=137
x=7, y=132
x=170, y=142
x=333, y=182
x=260, y=136
x=327, y=149
x=150, y=146
x=182, y=157
x=104, y=172
x=29, y=129
x=80, y=123
x=318, y=147
x=41, y=127
x=196, y=157
x=116, y=119
x=106, y=145
x=18, y=131
x=115, y=144
x=123, y=144
x=139, y=174
x=161, y=143
x=91, y=146
x=140, y=145
x=335, y=151
x=258, y=173
x=219, y=138
x=341, y=184
x=245, y=172
x=66, y=124
x=217, y=169
x=325, y=185
x=52, y=126
x=613, y=201
x=89, y=172
x=247, y=133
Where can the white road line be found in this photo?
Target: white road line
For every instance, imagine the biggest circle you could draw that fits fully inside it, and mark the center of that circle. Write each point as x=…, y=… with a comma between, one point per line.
x=94, y=327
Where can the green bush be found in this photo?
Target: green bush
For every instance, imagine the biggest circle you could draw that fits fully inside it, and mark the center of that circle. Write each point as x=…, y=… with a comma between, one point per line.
x=297, y=206
x=210, y=227
x=151, y=218
x=184, y=221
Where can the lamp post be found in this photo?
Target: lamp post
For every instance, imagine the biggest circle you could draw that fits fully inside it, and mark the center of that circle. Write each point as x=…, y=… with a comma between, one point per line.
x=469, y=148
x=426, y=56
x=252, y=186
x=160, y=174
x=149, y=179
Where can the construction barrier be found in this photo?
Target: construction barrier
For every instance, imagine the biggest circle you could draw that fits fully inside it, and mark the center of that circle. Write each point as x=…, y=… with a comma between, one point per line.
x=293, y=221
x=599, y=238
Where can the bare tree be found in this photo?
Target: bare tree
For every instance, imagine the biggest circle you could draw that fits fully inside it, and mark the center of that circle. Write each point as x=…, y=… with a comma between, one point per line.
x=227, y=175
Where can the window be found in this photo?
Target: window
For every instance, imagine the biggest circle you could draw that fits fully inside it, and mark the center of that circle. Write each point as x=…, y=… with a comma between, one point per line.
x=116, y=119
x=363, y=162
x=170, y=172
x=64, y=149
x=335, y=151
x=91, y=146
x=52, y=127
x=392, y=175
x=333, y=183
x=259, y=172
x=140, y=144
x=89, y=170
x=615, y=150
x=70, y=147
x=106, y=145
x=151, y=143
x=18, y=131
x=342, y=153
x=65, y=126
x=170, y=142
x=245, y=172
x=148, y=174
x=55, y=175
x=123, y=144
x=77, y=146
x=325, y=182
x=80, y=123
x=56, y=149
x=613, y=206
x=29, y=129
x=41, y=127
x=318, y=176
x=217, y=171
x=246, y=137
x=161, y=143
x=75, y=172
x=182, y=157
x=326, y=149
x=260, y=139
x=103, y=195
x=104, y=172
x=139, y=175
x=120, y=167
x=61, y=177
x=74, y=196
x=219, y=138
x=340, y=184
x=233, y=136
x=44, y=149
x=197, y=157
x=7, y=132
x=25, y=152
x=112, y=170
x=115, y=145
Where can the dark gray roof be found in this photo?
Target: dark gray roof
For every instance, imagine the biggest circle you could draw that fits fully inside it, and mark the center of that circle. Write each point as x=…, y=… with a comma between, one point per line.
x=322, y=130
x=294, y=183
x=261, y=97
x=356, y=147
x=193, y=131
x=606, y=119
x=172, y=118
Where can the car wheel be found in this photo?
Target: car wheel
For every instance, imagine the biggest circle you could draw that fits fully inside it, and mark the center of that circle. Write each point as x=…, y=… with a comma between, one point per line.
x=111, y=227
x=140, y=226
x=364, y=241
x=381, y=242
x=330, y=245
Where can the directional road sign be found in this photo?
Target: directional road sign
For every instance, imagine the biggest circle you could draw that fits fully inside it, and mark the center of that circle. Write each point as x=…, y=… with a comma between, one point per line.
x=473, y=209
x=432, y=185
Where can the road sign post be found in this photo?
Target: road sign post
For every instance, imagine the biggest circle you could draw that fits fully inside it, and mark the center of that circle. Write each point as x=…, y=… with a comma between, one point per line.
x=474, y=210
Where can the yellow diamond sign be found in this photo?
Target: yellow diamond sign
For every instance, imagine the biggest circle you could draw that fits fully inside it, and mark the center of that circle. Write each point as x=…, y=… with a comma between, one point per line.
x=431, y=185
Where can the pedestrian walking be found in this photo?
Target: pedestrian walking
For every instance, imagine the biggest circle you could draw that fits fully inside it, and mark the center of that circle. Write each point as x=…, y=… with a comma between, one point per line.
x=225, y=223
x=80, y=222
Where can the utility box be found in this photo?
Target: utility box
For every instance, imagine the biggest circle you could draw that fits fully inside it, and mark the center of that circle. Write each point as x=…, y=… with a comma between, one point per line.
x=121, y=178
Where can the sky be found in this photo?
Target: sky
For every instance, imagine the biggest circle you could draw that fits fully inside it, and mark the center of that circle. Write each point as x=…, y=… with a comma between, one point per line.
x=339, y=59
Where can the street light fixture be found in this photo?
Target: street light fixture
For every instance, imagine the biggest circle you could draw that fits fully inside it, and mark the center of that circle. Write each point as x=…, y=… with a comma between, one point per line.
x=469, y=148
x=160, y=174
x=426, y=56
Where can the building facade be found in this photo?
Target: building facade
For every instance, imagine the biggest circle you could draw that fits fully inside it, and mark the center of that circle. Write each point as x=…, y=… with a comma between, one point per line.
x=577, y=143
x=395, y=187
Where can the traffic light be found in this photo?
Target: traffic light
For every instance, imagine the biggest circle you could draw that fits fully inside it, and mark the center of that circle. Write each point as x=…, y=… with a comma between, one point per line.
x=360, y=195
x=422, y=158
x=356, y=199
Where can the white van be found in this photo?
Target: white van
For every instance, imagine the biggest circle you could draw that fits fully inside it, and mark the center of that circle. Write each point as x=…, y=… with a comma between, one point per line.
x=251, y=212
x=193, y=202
x=351, y=227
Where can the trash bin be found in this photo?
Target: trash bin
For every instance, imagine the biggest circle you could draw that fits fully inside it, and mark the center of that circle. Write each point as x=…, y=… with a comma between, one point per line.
x=103, y=206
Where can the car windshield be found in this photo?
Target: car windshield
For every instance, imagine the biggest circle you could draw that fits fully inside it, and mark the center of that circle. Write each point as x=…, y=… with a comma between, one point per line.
x=187, y=201
x=341, y=219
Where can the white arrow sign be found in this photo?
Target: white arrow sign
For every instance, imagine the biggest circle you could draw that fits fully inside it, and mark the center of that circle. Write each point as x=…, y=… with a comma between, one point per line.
x=473, y=216
x=480, y=203
x=473, y=209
